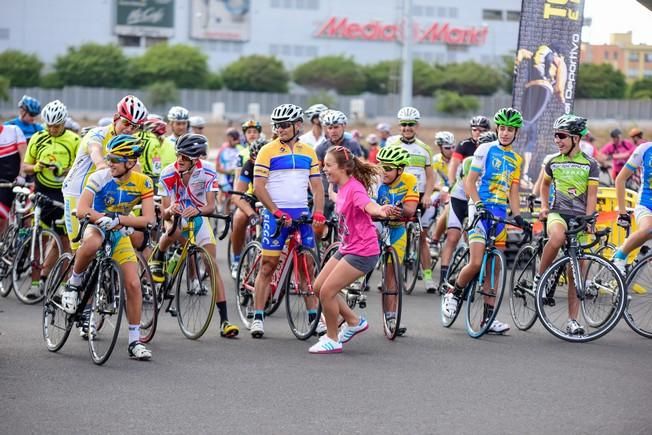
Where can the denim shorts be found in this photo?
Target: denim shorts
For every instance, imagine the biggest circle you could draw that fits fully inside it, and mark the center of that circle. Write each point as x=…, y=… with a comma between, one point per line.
x=363, y=264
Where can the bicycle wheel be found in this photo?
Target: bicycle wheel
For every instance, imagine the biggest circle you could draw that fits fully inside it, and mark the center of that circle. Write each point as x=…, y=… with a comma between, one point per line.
x=56, y=322
x=149, y=311
x=195, y=295
x=302, y=304
x=106, y=311
x=460, y=258
x=26, y=273
x=229, y=254
x=521, y=289
x=392, y=300
x=250, y=263
x=602, y=304
x=638, y=312
x=481, y=296
x=412, y=260
x=7, y=243
x=606, y=251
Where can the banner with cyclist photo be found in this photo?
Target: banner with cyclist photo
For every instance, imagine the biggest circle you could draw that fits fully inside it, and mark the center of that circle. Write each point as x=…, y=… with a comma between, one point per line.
x=227, y=20
x=545, y=73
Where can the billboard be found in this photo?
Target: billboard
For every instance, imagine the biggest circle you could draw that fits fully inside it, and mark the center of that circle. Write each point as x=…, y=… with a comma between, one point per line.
x=546, y=67
x=227, y=20
x=145, y=18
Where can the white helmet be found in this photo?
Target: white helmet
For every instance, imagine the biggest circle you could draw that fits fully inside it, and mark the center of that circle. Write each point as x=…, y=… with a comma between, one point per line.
x=197, y=121
x=408, y=113
x=334, y=117
x=54, y=113
x=178, y=113
x=315, y=110
x=287, y=112
x=444, y=138
x=103, y=122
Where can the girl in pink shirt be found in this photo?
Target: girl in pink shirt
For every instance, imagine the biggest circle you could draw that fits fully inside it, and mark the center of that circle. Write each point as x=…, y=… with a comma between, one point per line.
x=359, y=248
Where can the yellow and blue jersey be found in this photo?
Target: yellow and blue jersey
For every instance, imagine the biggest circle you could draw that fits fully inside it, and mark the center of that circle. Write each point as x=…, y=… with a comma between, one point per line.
x=499, y=168
x=114, y=196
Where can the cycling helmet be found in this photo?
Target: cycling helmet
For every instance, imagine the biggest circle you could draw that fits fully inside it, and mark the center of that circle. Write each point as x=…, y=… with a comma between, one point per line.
x=197, y=121
x=156, y=126
x=487, y=136
x=334, y=117
x=408, y=113
x=444, y=138
x=509, y=117
x=480, y=121
x=125, y=145
x=251, y=124
x=103, y=122
x=395, y=155
x=573, y=124
x=132, y=109
x=287, y=112
x=315, y=110
x=178, y=113
x=372, y=139
x=54, y=113
x=382, y=127
x=192, y=145
x=72, y=125
x=30, y=105
x=235, y=134
x=255, y=147
x=84, y=131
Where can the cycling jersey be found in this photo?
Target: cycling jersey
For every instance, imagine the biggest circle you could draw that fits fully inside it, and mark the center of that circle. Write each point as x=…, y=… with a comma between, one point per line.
x=310, y=139
x=57, y=151
x=28, y=130
x=243, y=156
x=587, y=148
x=203, y=179
x=420, y=159
x=150, y=160
x=83, y=166
x=642, y=158
x=457, y=190
x=572, y=177
x=465, y=149
x=11, y=137
x=347, y=143
x=403, y=189
x=247, y=176
x=116, y=196
x=288, y=171
x=499, y=168
x=228, y=159
x=168, y=152
x=440, y=166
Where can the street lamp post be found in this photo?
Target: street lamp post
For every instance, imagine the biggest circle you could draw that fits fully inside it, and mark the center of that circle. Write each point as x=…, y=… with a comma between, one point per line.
x=406, y=69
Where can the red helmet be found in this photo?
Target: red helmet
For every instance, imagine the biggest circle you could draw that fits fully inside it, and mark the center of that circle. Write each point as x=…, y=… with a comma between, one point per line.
x=132, y=109
x=156, y=126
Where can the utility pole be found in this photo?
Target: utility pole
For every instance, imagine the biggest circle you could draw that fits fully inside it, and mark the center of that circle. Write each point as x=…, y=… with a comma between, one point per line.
x=406, y=68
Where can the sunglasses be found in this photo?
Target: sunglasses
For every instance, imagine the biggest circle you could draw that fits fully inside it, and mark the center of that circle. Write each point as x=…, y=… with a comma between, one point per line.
x=115, y=159
x=283, y=125
x=388, y=168
x=479, y=130
x=184, y=158
x=447, y=147
x=407, y=124
x=341, y=149
x=128, y=123
x=561, y=136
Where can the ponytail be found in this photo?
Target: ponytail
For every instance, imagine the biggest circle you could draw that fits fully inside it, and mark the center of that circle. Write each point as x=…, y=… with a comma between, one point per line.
x=365, y=173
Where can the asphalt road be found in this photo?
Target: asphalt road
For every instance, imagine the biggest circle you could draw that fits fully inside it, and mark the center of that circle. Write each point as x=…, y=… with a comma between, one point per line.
x=433, y=380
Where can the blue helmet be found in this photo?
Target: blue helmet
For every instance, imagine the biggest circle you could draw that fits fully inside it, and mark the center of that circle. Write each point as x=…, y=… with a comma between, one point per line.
x=31, y=105
x=125, y=145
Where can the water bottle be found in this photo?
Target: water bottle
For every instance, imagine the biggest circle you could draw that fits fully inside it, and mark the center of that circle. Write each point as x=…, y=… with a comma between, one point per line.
x=172, y=262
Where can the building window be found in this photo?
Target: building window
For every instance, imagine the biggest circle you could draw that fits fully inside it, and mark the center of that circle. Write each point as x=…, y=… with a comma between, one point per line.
x=441, y=12
x=275, y=3
x=632, y=73
x=615, y=55
x=513, y=15
x=150, y=40
x=648, y=57
x=647, y=73
x=4, y=33
x=417, y=11
x=492, y=14
x=128, y=41
x=606, y=55
x=633, y=56
x=452, y=12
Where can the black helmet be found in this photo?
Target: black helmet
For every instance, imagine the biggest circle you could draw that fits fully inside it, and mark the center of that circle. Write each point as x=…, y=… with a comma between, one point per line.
x=487, y=136
x=256, y=146
x=192, y=145
x=480, y=121
x=573, y=124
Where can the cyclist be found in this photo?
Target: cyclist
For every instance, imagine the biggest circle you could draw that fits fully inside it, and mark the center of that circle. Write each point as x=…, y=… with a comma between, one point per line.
x=618, y=150
x=283, y=170
x=420, y=166
x=384, y=132
x=226, y=164
x=197, y=124
x=50, y=154
x=636, y=135
x=252, y=131
x=372, y=143
x=128, y=119
x=641, y=159
x=179, y=121
x=186, y=187
x=28, y=109
x=245, y=214
x=399, y=188
x=359, y=249
x=12, y=148
x=575, y=177
x=316, y=134
x=72, y=125
x=108, y=198
x=156, y=150
x=493, y=185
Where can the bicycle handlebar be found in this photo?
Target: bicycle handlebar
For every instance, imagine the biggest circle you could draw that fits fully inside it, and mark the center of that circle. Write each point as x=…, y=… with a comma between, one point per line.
x=225, y=217
x=302, y=220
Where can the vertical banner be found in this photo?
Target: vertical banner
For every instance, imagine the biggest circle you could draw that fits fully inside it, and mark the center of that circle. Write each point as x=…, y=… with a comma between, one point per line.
x=145, y=18
x=546, y=67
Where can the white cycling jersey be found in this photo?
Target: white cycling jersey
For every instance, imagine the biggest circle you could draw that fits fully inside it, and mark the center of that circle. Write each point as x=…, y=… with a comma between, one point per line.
x=420, y=158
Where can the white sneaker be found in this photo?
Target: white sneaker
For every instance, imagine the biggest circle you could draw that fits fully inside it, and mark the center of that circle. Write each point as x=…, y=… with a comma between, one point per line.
x=257, y=330
x=431, y=287
x=321, y=327
x=620, y=265
x=137, y=350
x=234, y=270
x=69, y=298
x=348, y=332
x=574, y=328
x=498, y=327
x=450, y=305
x=326, y=345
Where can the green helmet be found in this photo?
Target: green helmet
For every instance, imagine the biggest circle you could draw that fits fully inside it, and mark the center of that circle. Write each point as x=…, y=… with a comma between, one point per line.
x=509, y=116
x=573, y=124
x=393, y=155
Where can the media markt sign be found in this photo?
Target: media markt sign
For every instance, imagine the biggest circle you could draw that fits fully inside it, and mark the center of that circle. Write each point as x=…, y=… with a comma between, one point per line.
x=145, y=17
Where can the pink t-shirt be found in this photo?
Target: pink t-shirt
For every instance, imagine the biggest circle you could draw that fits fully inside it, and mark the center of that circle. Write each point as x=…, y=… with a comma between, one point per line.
x=357, y=231
x=620, y=147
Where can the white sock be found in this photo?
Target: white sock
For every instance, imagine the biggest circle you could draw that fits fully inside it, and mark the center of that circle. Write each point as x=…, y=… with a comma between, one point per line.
x=134, y=333
x=76, y=278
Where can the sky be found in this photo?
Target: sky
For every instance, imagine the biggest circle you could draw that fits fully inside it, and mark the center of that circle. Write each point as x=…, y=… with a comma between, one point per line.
x=617, y=16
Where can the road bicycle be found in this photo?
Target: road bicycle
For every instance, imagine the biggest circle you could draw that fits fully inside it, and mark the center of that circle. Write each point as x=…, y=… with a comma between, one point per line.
x=252, y=232
x=16, y=232
x=412, y=259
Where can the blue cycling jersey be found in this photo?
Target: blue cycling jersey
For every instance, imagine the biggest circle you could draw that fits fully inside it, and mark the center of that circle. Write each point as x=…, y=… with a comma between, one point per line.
x=28, y=129
x=642, y=158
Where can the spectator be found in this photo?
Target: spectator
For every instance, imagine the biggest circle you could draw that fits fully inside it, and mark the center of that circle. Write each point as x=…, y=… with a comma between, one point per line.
x=197, y=124
x=372, y=144
x=618, y=150
x=384, y=132
x=636, y=135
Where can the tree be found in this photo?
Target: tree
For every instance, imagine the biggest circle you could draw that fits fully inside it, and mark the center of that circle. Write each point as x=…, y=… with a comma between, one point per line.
x=214, y=81
x=322, y=97
x=162, y=93
x=51, y=80
x=508, y=73
x=453, y=103
x=256, y=73
x=92, y=65
x=4, y=88
x=340, y=73
x=384, y=77
x=470, y=78
x=185, y=65
x=641, y=89
x=600, y=81
x=21, y=69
